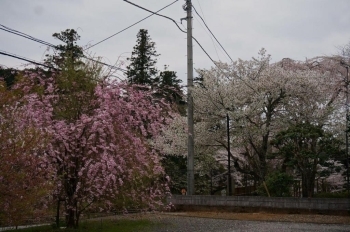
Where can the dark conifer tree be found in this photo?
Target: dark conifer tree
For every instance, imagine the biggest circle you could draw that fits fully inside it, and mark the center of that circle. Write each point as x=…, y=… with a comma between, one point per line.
x=169, y=84
x=8, y=75
x=142, y=69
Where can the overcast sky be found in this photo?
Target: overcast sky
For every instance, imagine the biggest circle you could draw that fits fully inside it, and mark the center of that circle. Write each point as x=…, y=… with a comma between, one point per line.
x=296, y=29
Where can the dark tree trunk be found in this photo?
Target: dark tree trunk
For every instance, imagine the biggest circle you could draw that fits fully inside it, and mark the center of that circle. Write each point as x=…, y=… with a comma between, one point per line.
x=308, y=183
x=58, y=213
x=72, y=204
x=72, y=218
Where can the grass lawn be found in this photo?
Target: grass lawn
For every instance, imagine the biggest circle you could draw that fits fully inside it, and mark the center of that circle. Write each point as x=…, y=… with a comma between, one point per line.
x=100, y=226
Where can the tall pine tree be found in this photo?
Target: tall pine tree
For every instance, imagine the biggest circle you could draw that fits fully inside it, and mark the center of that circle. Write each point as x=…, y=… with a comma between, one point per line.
x=143, y=59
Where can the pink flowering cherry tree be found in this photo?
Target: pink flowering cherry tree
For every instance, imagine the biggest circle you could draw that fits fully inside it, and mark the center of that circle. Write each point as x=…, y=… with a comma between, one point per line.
x=101, y=153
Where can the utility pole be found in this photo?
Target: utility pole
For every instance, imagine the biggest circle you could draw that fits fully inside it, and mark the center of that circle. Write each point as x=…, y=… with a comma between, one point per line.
x=228, y=156
x=190, y=148
x=347, y=129
x=345, y=65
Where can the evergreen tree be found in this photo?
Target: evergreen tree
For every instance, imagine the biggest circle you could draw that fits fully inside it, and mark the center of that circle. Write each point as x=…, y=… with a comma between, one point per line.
x=142, y=68
x=168, y=86
x=70, y=50
x=8, y=75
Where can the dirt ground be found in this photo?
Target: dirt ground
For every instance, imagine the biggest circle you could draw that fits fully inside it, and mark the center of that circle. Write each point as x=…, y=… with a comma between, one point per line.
x=261, y=216
x=258, y=216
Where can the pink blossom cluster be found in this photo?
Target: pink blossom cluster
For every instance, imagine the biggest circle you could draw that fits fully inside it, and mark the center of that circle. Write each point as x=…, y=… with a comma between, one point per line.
x=104, y=154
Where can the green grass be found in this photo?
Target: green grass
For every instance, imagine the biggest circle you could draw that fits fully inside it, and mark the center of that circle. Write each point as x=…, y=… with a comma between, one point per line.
x=100, y=226
x=332, y=195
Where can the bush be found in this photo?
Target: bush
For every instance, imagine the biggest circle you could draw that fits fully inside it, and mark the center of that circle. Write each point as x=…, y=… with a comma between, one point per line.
x=278, y=184
x=332, y=195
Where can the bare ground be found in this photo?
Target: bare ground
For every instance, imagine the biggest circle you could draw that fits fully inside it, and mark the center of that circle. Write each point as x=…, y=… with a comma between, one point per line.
x=259, y=216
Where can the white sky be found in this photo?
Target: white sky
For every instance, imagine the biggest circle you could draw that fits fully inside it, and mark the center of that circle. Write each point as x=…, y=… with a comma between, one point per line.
x=285, y=28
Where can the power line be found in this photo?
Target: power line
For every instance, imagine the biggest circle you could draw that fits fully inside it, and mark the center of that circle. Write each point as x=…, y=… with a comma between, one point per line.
x=192, y=38
x=153, y=13
x=200, y=8
x=108, y=65
x=196, y=42
x=23, y=58
x=26, y=36
x=7, y=29
x=212, y=33
x=177, y=26
x=211, y=39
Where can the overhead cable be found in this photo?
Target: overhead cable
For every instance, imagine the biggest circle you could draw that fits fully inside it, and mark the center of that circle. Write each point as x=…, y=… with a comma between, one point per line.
x=177, y=26
x=212, y=33
x=211, y=38
x=23, y=58
x=25, y=36
x=7, y=29
x=153, y=13
x=196, y=42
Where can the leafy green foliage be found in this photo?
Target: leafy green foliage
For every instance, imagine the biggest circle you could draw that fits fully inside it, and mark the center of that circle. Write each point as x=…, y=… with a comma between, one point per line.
x=332, y=195
x=168, y=86
x=176, y=168
x=304, y=146
x=76, y=90
x=278, y=184
x=8, y=75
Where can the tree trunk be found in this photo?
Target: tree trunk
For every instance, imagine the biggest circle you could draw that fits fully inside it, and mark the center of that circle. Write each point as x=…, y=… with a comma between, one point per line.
x=70, y=218
x=308, y=183
x=58, y=213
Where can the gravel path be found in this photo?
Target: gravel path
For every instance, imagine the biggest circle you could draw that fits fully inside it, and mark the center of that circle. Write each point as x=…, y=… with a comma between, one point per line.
x=193, y=224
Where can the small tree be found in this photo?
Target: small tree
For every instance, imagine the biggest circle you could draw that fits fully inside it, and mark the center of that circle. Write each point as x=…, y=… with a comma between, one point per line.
x=142, y=68
x=69, y=50
x=8, y=75
x=304, y=146
x=99, y=131
x=101, y=147
x=168, y=86
x=278, y=185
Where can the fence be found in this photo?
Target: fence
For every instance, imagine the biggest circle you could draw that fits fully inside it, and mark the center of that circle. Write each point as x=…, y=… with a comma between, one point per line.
x=214, y=182
x=242, y=203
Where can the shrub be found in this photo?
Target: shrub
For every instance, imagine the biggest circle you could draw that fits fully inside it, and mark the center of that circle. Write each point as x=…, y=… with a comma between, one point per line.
x=278, y=184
